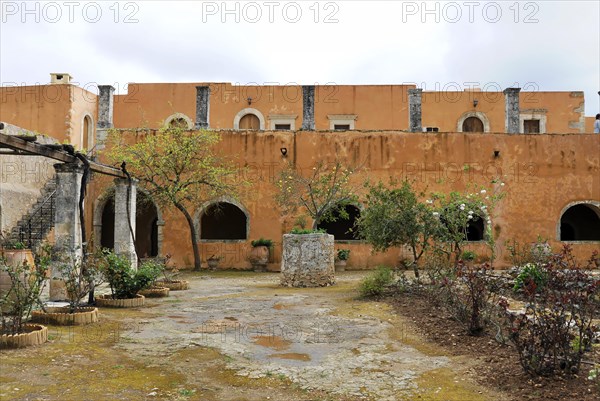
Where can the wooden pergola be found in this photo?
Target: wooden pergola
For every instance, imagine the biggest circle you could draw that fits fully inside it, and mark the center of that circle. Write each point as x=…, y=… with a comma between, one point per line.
x=25, y=145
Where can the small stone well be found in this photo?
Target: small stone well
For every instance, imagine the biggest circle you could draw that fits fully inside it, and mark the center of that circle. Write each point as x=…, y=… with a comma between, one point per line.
x=308, y=260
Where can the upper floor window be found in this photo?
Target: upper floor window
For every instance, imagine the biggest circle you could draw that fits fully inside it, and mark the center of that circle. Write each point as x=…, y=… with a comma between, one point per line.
x=342, y=121
x=179, y=120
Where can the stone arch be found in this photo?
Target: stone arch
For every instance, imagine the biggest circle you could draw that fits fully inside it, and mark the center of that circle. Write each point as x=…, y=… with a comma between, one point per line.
x=477, y=114
x=343, y=229
x=237, y=229
x=180, y=120
x=246, y=111
x=145, y=224
x=579, y=221
x=87, y=132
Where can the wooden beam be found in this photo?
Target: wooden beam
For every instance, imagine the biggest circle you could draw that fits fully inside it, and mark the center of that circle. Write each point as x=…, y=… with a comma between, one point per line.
x=36, y=149
x=11, y=142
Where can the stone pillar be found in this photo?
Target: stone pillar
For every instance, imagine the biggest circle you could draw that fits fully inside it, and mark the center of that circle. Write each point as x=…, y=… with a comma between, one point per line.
x=308, y=107
x=512, y=111
x=105, y=114
x=202, y=107
x=414, y=110
x=67, y=228
x=124, y=244
x=307, y=260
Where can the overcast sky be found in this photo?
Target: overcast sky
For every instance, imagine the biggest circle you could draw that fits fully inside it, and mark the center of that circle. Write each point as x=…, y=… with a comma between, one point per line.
x=536, y=45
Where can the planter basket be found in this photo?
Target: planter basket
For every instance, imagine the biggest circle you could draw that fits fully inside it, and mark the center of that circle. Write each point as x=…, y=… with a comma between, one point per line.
x=35, y=334
x=175, y=285
x=108, y=301
x=155, y=292
x=62, y=317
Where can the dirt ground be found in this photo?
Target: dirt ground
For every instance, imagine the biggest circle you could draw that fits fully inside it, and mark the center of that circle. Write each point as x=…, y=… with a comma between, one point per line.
x=240, y=336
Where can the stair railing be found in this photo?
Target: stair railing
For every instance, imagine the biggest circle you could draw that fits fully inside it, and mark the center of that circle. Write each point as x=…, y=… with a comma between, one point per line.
x=46, y=208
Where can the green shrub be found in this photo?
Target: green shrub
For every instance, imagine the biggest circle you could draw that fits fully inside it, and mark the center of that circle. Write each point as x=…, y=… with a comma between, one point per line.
x=262, y=242
x=297, y=230
x=530, y=275
x=374, y=284
x=468, y=255
x=343, y=254
x=124, y=281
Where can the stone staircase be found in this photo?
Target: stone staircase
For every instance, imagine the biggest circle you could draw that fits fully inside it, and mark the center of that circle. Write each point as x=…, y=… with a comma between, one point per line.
x=33, y=227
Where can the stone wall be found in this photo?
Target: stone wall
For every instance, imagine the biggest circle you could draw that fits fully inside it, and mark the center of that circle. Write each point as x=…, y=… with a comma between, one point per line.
x=307, y=260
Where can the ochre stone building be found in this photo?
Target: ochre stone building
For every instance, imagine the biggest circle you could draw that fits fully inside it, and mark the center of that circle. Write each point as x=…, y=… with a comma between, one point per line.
x=539, y=143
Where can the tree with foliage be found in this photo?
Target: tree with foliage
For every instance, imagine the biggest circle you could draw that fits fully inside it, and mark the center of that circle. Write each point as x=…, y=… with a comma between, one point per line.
x=177, y=168
x=456, y=211
x=323, y=193
x=395, y=217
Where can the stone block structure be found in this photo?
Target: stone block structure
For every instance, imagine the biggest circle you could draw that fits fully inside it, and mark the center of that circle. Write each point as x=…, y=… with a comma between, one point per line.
x=307, y=260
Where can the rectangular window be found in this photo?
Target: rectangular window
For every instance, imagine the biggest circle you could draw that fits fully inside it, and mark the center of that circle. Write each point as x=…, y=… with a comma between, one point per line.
x=342, y=127
x=531, y=126
x=432, y=129
x=283, y=126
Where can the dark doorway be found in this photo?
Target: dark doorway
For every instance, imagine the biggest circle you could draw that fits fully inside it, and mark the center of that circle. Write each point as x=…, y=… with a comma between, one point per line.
x=146, y=227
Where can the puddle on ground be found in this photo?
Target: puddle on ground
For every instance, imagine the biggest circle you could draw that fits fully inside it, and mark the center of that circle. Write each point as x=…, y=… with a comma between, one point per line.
x=274, y=342
x=293, y=356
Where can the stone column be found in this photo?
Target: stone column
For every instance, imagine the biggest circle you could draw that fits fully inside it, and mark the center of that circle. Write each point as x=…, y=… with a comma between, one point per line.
x=512, y=111
x=105, y=114
x=308, y=107
x=202, y=107
x=67, y=228
x=414, y=110
x=124, y=244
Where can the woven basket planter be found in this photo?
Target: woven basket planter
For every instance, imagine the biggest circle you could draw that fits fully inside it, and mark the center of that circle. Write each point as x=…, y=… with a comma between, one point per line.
x=155, y=292
x=108, y=301
x=62, y=317
x=35, y=334
x=175, y=285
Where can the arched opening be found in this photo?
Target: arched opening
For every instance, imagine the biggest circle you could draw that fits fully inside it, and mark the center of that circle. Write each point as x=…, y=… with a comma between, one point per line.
x=580, y=222
x=250, y=122
x=475, y=230
x=86, y=133
x=343, y=229
x=178, y=123
x=223, y=221
x=472, y=124
x=146, y=226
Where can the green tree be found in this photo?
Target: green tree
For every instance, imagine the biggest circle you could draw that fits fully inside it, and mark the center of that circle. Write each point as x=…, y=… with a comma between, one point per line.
x=456, y=211
x=177, y=168
x=323, y=192
x=395, y=217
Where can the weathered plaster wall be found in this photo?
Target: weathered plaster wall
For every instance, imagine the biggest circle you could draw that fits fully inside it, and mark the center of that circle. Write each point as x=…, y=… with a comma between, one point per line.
x=543, y=174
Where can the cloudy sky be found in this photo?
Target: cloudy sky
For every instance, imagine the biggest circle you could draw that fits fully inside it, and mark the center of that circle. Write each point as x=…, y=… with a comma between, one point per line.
x=536, y=45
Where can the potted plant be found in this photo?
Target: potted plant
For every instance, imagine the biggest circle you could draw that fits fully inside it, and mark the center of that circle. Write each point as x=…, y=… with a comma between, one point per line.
x=14, y=253
x=341, y=259
x=16, y=304
x=79, y=278
x=213, y=262
x=259, y=255
x=155, y=289
x=125, y=282
x=169, y=275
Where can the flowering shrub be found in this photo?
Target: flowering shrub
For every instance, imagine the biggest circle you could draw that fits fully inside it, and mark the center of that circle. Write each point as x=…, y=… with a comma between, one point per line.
x=555, y=329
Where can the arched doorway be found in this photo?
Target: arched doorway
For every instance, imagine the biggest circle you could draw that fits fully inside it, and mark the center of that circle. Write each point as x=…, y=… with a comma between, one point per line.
x=147, y=226
x=250, y=122
x=475, y=230
x=580, y=222
x=343, y=229
x=223, y=221
x=472, y=124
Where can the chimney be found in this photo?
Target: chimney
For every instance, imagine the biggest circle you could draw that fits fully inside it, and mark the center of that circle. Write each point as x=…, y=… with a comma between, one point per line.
x=57, y=78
